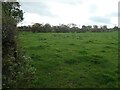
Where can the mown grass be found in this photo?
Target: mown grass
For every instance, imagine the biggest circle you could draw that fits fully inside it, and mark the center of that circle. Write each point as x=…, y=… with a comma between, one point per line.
x=73, y=60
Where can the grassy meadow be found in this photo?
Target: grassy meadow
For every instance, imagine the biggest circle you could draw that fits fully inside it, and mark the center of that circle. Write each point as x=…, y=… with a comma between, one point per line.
x=73, y=60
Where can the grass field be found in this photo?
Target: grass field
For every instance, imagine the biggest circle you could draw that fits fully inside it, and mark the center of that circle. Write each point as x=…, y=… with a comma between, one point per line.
x=73, y=60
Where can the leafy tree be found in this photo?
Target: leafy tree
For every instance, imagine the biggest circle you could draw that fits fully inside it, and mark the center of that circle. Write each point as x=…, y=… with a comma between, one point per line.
x=89, y=28
x=84, y=28
x=47, y=27
x=73, y=25
x=36, y=27
x=104, y=28
x=64, y=28
x=116, y=28
x=15, y=65
x=11, y=15
x=95, y=28
x=56, y=29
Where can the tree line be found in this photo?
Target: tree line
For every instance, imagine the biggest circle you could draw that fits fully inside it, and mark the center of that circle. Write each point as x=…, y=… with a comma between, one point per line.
x=37, y=27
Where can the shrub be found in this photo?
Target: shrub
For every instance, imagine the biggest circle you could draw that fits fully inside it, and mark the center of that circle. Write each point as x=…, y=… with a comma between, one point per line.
x=18, y=72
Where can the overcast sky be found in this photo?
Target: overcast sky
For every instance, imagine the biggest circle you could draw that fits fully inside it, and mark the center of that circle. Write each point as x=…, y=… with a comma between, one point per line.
x=80, y=12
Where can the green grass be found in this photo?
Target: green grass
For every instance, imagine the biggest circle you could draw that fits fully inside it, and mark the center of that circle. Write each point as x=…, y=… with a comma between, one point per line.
x=73, y=60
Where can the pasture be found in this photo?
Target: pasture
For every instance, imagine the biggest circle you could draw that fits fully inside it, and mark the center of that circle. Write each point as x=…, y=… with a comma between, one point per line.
x=73, y=60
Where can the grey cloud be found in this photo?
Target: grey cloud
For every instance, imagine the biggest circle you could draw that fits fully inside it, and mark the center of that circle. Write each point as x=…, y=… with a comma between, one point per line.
x=73, y=2
x=99, y=19
x=37, y=7
x=114, y=14
x=42, y=8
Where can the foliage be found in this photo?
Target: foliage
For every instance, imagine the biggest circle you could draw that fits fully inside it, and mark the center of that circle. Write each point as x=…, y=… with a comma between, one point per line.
x=11, y=9
x=11, y=15
x=17, y=71
x=37, y=27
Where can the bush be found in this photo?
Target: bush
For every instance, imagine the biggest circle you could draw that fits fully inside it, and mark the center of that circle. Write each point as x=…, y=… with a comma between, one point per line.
x=16, y=65
x=18, y=73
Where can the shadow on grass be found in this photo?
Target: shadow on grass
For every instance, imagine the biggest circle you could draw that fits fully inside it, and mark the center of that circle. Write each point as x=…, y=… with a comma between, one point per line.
x=39, y=47
x=91, y=60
